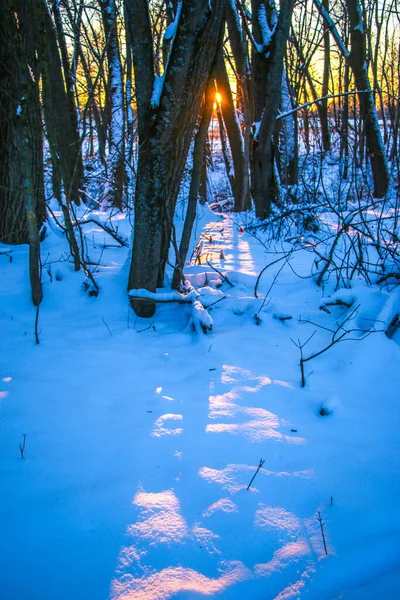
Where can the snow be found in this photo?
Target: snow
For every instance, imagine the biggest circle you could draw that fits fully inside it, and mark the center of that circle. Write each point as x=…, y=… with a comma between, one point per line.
x=142, y=437
x=266, y=31
x=157, y=89
x=170, y=31
x=170, y=34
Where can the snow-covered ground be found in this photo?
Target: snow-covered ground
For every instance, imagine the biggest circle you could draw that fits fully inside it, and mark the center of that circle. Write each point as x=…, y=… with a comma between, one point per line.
x=142, y=437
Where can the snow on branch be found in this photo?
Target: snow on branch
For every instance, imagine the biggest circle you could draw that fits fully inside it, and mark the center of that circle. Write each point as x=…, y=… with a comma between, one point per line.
x=169, y=34
x=170, y=31
x=332, y=28
x=163, y=297
x=266, y=31
x=201, y=320
x=318, y=100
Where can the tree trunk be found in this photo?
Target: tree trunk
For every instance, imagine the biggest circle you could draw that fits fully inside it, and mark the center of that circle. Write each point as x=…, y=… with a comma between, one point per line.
x=357, y=59
x=286, y=138
x=240, y=179
x=166, y=122
x=358, y=62
x=323, y=107
x=73, y=174
x=116, y=157
x=265, y=186
x=22, y=206
x=239, y=45
x=197, y=173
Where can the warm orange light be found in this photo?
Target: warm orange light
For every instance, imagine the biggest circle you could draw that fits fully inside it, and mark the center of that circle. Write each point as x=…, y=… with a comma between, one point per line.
x=218, y=97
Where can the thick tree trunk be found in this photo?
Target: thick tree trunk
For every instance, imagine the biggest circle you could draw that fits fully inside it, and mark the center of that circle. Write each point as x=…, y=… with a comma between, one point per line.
x=265, y=186
x=21, y=166
x=167, y=119
x=259, y=62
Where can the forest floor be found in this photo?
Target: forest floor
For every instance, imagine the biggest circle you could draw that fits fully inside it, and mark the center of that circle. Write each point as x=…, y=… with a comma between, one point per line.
x=142, y=437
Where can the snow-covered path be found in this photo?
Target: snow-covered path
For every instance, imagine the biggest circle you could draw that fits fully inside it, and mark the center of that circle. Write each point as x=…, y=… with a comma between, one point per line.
x=140, y=444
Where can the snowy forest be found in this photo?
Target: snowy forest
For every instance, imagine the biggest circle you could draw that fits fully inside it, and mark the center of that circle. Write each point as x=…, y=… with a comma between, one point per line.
x=199, y=299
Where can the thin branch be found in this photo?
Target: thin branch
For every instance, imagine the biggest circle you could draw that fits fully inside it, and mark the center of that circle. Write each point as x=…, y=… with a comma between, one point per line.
x=258, y=468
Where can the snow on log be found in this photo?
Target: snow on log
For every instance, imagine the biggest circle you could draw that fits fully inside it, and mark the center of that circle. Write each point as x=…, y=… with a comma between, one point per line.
x=163, y=297
x=202, y=322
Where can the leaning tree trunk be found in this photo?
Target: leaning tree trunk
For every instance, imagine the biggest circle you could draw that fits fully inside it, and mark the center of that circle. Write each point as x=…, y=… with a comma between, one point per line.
x=239, y=182
x=199, y=159
x=21, y=166
x=166, y=120
x=265, y=185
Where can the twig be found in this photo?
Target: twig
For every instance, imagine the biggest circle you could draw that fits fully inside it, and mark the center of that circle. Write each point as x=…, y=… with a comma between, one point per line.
x=37, y=325
x=147, y=328
x=107, y=229
x=110, y=332
x=225, y=277
x=22, y=447
x=214, y=303
x=338, y=335
x=258, y=468
x=263, y=271
x=300, y=346
x=322, y=531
